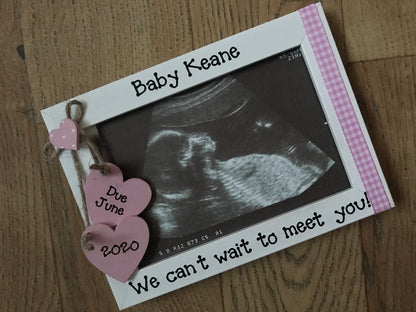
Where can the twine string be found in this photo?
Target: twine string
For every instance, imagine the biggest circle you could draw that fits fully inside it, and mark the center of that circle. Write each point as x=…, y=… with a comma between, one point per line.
x=99, y=162
x=50, y=153
x=80, y=175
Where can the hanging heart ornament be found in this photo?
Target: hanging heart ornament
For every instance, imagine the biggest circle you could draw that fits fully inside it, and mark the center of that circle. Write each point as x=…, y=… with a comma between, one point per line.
x=66, y=136
x=117, y=252
x=110, y=199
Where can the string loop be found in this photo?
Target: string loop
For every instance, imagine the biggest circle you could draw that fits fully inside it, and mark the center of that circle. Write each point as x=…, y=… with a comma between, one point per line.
x=49, y=151
x=78, y=112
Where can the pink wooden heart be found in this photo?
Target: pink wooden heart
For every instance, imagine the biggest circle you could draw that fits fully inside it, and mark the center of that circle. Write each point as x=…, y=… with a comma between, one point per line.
x=109, y=199
x=118, y=252
x=66, y=136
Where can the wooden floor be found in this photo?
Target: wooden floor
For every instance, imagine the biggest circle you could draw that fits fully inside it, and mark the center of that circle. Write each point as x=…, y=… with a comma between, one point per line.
x=75, y=46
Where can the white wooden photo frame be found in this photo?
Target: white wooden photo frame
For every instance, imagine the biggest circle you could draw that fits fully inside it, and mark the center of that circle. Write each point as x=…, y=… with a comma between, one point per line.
x=306, y=31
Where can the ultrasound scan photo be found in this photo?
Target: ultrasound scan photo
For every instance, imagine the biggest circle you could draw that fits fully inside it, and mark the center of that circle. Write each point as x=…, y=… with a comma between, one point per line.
x=213, y=155
x=228, y=154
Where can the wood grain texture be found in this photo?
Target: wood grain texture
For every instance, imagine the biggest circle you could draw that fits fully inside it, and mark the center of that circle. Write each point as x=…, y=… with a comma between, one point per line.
x=73, y=47
x=28, y=268
x=387, y=97
x=215, y=20
x=323, y=274
x=379, y=29
x=14, y=91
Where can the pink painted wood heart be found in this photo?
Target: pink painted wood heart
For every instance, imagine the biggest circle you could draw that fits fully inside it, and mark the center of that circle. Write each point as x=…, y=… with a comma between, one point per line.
x=118, y=252
x=110, y=199
x=66, y=136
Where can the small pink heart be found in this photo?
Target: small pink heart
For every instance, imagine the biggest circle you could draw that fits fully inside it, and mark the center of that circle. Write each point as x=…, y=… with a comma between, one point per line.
x=67, y=136
x=118, y=252
x=109, y=199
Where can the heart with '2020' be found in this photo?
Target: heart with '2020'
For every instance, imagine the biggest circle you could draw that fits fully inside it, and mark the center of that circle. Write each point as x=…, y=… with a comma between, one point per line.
x=117, y=252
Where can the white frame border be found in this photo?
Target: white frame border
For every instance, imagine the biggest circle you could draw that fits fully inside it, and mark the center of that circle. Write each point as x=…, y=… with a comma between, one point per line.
x=270, y=38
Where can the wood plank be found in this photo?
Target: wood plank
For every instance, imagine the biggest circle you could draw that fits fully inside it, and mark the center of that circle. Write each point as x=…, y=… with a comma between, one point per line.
x=317, y=275
x=379, y=29
x=386, y=91
x=215, y=20
x=203, y=296
x=28, y=271
x=14, y=91
x=72, y=48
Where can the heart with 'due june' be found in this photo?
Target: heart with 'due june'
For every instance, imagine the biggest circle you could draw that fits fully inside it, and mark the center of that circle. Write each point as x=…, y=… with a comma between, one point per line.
x=118, y=252
x=110, y=199
x=66, y=136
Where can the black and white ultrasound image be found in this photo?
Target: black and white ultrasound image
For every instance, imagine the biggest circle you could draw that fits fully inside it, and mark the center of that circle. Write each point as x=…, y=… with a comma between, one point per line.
x=228, y=154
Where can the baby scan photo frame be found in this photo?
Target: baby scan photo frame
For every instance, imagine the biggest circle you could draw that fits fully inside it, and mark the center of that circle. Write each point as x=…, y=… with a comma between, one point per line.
x=251, y=144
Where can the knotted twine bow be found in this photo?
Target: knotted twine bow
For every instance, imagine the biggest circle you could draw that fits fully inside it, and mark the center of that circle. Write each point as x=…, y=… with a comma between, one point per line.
x=50, y=152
